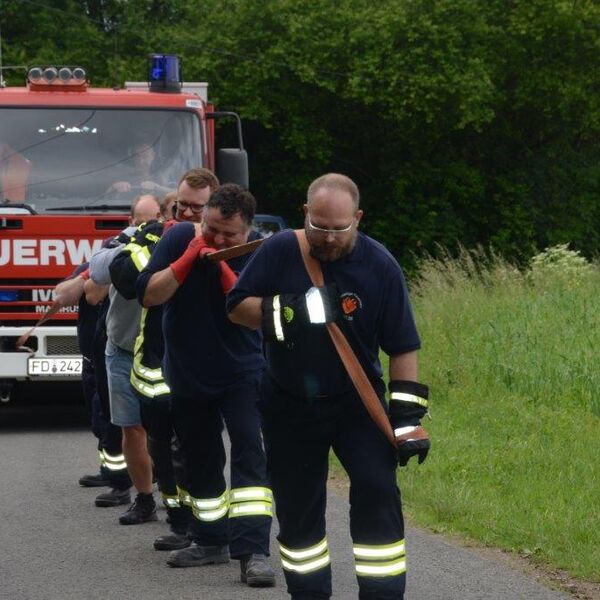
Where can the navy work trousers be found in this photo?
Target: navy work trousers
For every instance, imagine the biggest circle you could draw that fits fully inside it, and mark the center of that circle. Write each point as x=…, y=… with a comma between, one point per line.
x=299, y=434
x=199, y=424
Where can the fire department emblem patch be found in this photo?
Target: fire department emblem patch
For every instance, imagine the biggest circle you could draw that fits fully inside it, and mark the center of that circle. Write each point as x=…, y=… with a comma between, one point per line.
x=350, y=303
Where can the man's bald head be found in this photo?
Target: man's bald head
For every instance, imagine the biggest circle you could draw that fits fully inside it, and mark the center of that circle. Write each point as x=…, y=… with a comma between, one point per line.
x=334, y=182
x=145, y=207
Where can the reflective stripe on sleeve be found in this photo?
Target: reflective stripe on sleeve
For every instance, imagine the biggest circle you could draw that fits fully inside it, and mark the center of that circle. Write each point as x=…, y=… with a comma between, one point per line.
x=402, y=397
x=140, y=255
x=277, y=319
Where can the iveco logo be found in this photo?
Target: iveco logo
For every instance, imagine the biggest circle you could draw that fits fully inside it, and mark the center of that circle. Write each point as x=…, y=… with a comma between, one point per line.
x=47, y=252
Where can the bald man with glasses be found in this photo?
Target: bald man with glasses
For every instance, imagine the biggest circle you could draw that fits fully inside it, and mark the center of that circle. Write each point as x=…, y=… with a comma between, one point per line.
x=309, y=402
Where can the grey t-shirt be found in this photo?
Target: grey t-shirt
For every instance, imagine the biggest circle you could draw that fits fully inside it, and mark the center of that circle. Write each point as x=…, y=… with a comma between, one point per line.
x=122, y=320
x=123, y=317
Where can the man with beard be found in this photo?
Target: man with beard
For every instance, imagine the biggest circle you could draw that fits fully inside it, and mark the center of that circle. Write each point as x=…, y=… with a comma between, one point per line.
x=308, y=400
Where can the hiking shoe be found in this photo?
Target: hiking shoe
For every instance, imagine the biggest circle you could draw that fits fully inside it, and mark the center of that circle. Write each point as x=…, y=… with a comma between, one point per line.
x=98, y=480
x=173, y=541
x=113, y=498
x=141, y=511
x=196, y=556
x=256, y=571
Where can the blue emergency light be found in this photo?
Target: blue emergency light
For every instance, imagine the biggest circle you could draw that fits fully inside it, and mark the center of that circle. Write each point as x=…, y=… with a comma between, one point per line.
x=9, y=295
x=164, y=73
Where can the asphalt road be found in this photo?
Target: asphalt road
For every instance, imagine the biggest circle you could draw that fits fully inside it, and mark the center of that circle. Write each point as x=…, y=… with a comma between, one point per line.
x=56, y=545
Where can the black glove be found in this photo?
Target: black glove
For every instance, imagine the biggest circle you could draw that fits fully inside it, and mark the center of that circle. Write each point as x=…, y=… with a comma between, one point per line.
x=408, y=404
x=285, y=315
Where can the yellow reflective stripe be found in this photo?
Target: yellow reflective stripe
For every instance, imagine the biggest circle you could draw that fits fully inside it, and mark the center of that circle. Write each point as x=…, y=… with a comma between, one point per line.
x=385, y=551
x=247, y=508
x=378, y=569
x=304, y=553
x=308, y=566
x=152, y=237
x=251, y=493
x=101, y=458
x=149, y=390
x=210, y=509
x=277, y=319
x=110, y=458
x=140, y=255
x=184, y=496
x=146, y=372
x=251, y=501
x=171, y=501
x=402, y=397
x=116, y=466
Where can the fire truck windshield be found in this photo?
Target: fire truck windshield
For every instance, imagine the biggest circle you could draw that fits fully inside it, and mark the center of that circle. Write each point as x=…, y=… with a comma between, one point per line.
x=73, y=159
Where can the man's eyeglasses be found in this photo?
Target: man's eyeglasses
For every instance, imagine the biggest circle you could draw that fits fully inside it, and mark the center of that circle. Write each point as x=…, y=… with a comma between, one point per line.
x=183, y=206
x=329, y=231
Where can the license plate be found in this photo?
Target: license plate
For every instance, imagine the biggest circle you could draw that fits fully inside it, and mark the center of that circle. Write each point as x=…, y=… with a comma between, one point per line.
x=54, y=367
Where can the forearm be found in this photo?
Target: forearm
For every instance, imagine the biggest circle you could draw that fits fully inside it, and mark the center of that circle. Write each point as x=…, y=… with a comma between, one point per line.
x=161, y=288
x=94, y=292
x=403, y=366
x=248, y=313
x=68, y=293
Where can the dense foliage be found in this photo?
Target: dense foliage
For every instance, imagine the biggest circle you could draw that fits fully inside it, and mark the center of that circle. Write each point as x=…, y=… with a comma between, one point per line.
x=471, y=121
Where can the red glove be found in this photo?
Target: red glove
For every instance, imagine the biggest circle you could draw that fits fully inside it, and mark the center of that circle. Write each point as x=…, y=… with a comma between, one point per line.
x=183, y=265
x=227, y=276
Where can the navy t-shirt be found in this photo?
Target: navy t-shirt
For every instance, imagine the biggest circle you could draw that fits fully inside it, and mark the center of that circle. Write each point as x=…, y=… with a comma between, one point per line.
x=204, y=351
x=376, y=312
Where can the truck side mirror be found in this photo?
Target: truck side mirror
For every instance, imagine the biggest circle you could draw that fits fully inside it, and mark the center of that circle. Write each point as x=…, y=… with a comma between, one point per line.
x=232, y=166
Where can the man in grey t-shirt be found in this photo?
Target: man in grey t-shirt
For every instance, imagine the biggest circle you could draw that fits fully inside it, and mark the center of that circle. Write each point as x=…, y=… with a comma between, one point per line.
x=122, y=328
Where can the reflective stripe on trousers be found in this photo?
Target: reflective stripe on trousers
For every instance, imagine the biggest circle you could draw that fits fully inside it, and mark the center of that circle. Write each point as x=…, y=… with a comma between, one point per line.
x=250, y=501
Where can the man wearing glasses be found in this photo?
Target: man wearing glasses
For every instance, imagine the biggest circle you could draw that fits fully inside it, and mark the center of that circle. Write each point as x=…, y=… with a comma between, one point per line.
x=308, y=401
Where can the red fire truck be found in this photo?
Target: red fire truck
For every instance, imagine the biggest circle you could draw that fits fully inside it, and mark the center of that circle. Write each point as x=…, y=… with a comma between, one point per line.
x=72, y=158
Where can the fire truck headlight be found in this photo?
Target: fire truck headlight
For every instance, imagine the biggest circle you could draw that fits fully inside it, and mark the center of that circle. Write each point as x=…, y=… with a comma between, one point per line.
x=79, y=74
x=34, y=75
x=50, y=74
x=65, y=74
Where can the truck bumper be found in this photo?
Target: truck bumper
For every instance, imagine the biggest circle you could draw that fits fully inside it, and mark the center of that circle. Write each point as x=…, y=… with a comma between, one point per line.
x=58, y=344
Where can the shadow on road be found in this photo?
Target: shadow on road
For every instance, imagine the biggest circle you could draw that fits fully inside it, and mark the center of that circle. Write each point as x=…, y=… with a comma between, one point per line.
x=41, y=406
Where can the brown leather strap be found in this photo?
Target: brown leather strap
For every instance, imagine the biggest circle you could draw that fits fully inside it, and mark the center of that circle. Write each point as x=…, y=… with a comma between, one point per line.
x=54, y=308
x=353, y=367
x=416, y=434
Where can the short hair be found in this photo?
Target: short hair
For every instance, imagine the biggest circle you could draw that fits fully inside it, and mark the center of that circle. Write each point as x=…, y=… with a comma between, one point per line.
x=137, y=199
x=334, y=181
x=232, y=199
x=169, y=197
x=200, y=178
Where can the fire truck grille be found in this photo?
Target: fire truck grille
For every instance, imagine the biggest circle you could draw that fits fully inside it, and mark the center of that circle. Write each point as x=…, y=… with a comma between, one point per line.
x=62, y=344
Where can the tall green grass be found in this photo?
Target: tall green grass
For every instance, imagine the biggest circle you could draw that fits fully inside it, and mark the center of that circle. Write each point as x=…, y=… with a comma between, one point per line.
x=512, y=360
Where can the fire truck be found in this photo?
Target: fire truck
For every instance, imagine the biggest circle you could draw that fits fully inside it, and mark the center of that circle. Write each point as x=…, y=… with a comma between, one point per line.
x=72, y=159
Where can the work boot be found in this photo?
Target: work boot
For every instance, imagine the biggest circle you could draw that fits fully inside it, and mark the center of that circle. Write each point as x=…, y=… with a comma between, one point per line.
x=172, y=541
x=97, y=480
x=113, y=498
x=196, y=556
x=256, y=571
x=142, y=510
